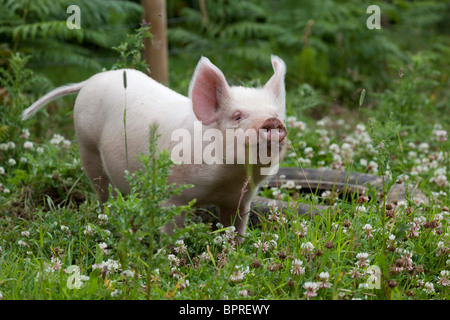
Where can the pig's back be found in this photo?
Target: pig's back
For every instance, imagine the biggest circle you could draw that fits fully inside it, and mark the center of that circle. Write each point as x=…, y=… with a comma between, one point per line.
x=101, y=102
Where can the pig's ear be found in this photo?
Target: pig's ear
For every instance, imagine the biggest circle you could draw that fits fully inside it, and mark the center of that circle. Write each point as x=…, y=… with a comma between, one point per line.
x=208, y=91
x=276, y=85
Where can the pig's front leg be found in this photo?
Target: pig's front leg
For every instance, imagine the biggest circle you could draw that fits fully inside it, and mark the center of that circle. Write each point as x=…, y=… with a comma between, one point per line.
x=237, y=217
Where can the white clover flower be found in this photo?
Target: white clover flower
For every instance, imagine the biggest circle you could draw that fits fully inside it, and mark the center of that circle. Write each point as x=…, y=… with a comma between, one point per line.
x=183, y=284
x=362, y=255
x=346, y=147
x=362, y=259
x=112, y=265
x=326, y=194
x=360, y=128
x=441, y=135
x=324, y=284
x=204, y=256
x=368, y=228
x=291, y=120
x=116, y=293
x=40, y=150
x=334, y=148
x=66, y=144
x=103, y=218
x=239, y=274
x=304, y=162
x=307, y=246
x=412, y=155
x=22, y=243
x=127, y=273
x=290, y=184
x=2, y=171
x=84, y=278
x=89, y=230
x=363, y=286
x=443, y=279
x=28, y=145
x=3, y=146
x=337, y=158
x=243, y=293
x=372, y=167
x=57, y=139
x=12, y=162
x=309, y=152
x=11, y=145
x=180, y=246
x=321, y=123
x=324, y=275
x=300, y=125
x=311, y=288
x=428, y=287
x=423, y=147
x=174, y=261
x=25, y=134
x=360, y=209
x=440, y=180
x=56, y=263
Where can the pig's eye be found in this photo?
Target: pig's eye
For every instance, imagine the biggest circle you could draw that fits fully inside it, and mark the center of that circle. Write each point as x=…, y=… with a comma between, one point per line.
x=237, y=115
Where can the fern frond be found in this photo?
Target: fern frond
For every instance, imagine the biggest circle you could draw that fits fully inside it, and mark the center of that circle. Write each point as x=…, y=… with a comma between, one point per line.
x=43, y=29
x=250, y=29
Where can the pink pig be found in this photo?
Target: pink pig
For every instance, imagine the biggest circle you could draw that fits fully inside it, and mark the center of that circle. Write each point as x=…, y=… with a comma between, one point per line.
x=212, y=107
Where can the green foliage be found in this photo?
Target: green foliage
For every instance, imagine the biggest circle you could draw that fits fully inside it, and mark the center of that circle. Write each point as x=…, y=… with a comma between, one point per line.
x=415, y=95
x=132, y=48
x=228, y=32
x=383, y=134
x=138, y=218
x=17, y=80
x=50, y=220
x=38, y=28
x=325, y=44
x=25, y=163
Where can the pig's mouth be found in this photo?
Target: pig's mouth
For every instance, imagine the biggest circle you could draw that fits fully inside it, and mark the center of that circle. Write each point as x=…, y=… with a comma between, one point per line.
x=272, y=133
x=273, y=130
x=271, y=137
x=263, y=146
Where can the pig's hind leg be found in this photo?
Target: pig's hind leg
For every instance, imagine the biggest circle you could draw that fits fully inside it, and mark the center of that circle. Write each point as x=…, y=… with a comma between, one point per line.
x=93, y=166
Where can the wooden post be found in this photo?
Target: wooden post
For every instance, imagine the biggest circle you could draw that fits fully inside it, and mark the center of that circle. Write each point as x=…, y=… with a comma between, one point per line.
x=156, y=52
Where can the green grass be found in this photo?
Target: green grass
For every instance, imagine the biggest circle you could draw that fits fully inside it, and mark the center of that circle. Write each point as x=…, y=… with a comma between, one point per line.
x=51, y=221
x=41, y=236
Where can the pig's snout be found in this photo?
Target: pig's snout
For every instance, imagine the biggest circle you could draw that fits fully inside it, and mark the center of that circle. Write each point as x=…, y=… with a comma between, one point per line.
x=273, y=124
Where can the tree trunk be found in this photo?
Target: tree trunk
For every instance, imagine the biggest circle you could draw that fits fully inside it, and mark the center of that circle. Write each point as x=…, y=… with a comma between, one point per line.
x=156, y=51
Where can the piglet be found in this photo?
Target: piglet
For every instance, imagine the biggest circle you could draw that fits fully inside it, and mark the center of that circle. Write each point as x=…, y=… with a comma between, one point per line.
x=225, y=140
